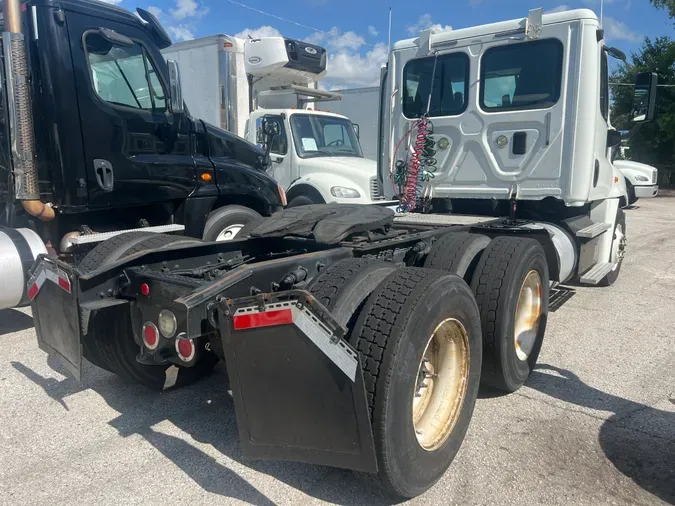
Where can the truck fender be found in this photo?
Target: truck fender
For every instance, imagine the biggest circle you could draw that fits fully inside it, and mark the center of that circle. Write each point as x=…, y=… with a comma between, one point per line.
x=324, y=182
x=618, y=188
x=302, y=187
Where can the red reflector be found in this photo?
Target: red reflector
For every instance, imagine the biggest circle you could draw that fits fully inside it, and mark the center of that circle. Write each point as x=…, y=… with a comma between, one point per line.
x=185, y=348
x=150, y=335
x=145, y=289
x=65, y=284
x=33, y=290
x=267, y=319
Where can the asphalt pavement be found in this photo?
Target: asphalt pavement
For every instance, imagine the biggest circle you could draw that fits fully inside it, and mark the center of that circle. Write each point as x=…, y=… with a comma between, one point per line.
x=595, y=423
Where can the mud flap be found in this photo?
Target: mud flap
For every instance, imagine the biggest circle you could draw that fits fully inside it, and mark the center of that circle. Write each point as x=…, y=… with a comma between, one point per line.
x=53, y=294
x=297, y=384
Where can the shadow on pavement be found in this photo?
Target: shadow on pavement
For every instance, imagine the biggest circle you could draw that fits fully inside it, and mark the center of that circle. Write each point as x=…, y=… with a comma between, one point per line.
x=638, y=439
x=204, y=411
x=12, y=320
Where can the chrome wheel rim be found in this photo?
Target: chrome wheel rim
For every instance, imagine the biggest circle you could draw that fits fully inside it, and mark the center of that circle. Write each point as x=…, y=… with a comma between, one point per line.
x=528, y=315
x=229, y=233
x=441, y=384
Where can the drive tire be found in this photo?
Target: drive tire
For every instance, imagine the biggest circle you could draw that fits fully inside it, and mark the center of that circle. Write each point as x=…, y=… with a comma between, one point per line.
x=498, y=284
x=115, y=349
x=226, y=217
x=457, y=253
x=391, y=335
x=620, y=224
x=344, y=286
x=301, y=200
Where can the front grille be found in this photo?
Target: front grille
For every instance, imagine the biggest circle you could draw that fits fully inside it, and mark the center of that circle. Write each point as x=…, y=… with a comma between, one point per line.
x=375, y=189
x=655, y=176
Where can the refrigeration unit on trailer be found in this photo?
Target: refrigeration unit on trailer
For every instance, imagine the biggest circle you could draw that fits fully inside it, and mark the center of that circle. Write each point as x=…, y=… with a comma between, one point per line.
x=236, y=83
x=355, y=336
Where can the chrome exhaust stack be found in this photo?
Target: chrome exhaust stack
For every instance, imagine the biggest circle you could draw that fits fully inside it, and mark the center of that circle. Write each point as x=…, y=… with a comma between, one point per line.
x=22, y=133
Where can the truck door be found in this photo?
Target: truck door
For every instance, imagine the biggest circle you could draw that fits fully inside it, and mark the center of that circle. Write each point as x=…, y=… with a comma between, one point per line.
x=281, y=169
x=136, y=150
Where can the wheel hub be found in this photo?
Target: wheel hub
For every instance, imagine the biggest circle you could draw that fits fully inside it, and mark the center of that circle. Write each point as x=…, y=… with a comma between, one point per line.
x=528, y=315
x=441, y=384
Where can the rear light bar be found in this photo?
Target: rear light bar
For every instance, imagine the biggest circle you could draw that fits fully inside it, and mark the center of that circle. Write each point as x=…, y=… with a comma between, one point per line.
x=266, y=319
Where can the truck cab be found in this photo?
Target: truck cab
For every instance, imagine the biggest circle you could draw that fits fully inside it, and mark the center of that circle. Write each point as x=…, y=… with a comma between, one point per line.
x=518, y=109
x=97, y=140
x=316, y=157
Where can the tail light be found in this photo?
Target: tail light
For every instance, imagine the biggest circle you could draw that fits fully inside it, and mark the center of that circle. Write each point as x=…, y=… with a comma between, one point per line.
x=185, y=348
x=150, y=336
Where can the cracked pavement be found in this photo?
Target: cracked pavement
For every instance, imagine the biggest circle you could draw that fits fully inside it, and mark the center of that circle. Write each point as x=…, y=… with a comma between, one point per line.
x=595, y=424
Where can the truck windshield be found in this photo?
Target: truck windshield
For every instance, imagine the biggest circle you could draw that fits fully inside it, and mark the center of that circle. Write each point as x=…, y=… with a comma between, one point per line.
x=316, y=135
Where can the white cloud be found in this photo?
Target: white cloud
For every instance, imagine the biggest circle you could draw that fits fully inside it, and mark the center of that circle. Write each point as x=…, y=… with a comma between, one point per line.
x=372, y=30
x=560, y=8
x=181, y=32
x=155, y=11
x=256, y=33
x=424, y=23
x=618, y=30
x=188, y=9
x=346, y=69
x=333, y=40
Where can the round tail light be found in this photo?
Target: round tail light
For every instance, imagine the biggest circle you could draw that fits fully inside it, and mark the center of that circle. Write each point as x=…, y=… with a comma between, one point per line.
x=167, y=323
x=185, y=349
x=150, y=336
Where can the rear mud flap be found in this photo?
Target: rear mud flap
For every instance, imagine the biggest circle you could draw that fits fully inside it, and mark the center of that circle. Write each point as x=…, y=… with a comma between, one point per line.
x=297, y=384
x=53, y=293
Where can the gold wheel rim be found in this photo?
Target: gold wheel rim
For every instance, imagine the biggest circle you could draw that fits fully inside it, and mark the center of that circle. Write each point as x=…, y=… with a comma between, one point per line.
x=528, y=315
x=441, y=384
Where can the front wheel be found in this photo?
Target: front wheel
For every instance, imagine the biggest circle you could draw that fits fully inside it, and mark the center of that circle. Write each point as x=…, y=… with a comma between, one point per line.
x=630, y=190
x=301, y=200
x=225, y=223
x=419, y=339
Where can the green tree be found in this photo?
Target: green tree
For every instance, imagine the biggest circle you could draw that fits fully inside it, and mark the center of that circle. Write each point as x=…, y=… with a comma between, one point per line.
x=668, y=5
x=654, y=143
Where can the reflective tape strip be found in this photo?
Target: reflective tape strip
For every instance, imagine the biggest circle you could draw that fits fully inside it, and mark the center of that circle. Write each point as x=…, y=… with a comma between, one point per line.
x=46, y=273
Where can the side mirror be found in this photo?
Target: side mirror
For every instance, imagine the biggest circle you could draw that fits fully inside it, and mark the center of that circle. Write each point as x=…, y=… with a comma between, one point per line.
x=176, y=99
x=357, y=130
x=271, y=127
x=644, y=100
x=613, y=138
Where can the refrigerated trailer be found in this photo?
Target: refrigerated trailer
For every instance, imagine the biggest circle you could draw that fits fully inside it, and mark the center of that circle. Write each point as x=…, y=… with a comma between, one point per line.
x=355, y=336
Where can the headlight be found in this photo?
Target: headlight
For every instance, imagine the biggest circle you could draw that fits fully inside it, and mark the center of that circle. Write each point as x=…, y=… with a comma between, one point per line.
x=641, y=178
x=344, y=193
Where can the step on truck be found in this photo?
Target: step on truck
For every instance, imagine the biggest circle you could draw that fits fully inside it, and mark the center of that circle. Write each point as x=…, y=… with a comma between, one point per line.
x=357, y=336
x=92, y=145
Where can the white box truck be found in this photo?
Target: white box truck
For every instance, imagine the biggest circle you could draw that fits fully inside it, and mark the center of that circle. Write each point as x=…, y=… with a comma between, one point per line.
x=236, y=83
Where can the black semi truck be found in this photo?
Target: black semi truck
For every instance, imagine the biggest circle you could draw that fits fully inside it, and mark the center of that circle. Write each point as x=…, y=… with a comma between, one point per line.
x=95, y=139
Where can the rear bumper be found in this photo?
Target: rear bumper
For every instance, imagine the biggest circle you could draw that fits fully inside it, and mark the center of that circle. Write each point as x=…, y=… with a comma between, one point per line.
x=647, y=191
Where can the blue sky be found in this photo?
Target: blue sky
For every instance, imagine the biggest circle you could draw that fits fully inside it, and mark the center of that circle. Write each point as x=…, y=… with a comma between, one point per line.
x=355, y=31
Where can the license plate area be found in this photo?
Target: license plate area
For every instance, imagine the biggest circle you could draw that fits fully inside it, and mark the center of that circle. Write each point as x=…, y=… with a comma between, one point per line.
x=297, y=384
x=54, y=302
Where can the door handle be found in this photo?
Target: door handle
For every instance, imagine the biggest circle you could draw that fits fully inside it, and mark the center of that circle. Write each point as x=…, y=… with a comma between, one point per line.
x=278, y=159
x=105, y=177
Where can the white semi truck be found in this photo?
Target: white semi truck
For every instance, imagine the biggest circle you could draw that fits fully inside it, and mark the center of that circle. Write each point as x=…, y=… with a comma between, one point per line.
x=236, y=83
x=356, y=337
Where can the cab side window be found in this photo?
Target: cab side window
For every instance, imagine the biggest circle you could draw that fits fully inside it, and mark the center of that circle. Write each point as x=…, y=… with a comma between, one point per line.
x=124, y=75
x=604, y=86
